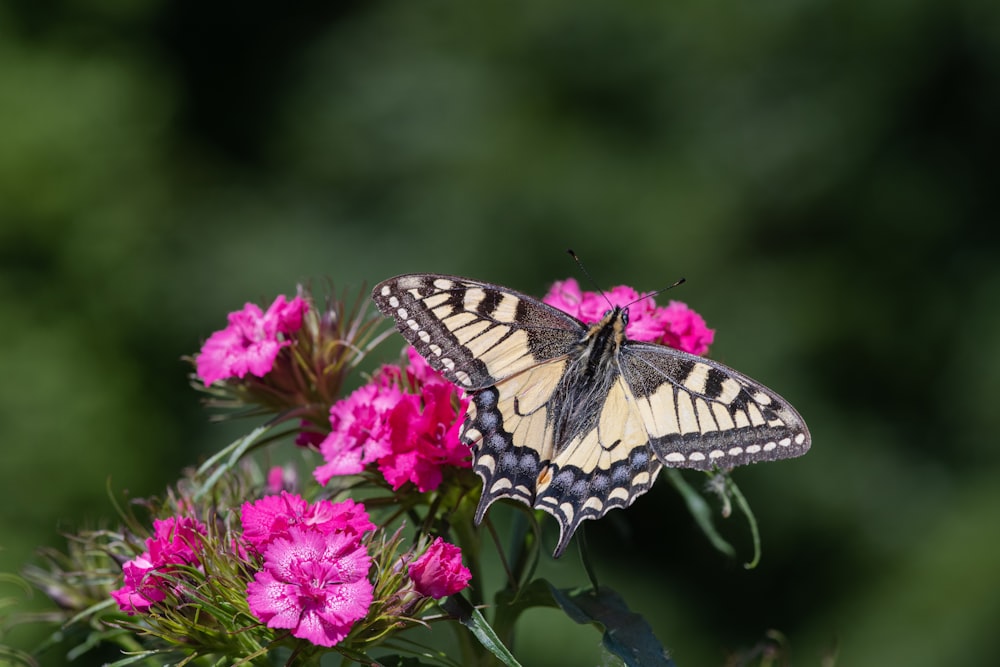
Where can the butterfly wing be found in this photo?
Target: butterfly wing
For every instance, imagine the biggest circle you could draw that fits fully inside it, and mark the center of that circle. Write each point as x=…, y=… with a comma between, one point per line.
x=512, y=353
x=701, y=414
x=474, y=333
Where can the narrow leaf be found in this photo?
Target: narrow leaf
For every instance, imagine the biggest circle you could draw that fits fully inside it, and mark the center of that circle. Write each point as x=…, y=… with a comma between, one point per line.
x=470, y=617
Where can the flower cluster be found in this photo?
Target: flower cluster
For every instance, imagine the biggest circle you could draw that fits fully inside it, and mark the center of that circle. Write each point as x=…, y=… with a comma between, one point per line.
x=251, y=342
x=675, y=325
x=150, y=577
x=405, y=422
x=314, y=579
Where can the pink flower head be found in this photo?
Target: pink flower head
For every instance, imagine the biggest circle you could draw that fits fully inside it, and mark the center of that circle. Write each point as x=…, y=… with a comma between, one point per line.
x=272, y=517
x=314, y=584
x=251, y=342
x=142, y=588
x=360, y=431
x=176, y=541
x=676, y=325
x=406, y=422
x=425, y=439
x=439, y=571
x=685, y=329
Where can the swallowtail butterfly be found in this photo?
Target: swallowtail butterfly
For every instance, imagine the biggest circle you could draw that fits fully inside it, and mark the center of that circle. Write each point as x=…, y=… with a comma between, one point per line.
x=574, y=419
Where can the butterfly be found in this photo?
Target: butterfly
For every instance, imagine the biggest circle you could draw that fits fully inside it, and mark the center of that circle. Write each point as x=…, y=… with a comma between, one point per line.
x=577, y=419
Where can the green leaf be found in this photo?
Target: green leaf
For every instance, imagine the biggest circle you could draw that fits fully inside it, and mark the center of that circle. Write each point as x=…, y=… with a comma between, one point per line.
x=626, y=634
x=470, y=617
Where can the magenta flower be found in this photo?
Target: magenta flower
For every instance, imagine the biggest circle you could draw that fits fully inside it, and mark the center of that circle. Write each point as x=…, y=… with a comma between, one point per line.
x=175, y=541
x=360, y=431
x=676, y=325
x=686, y=329
x=272, y=517
x=425, y=439
x=314, y=584
x=251, y=342
x=439, y=571
x=142, y=588
x=410, y=437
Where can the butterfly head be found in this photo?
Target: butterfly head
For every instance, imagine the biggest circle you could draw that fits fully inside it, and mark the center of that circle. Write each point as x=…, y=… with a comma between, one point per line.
x=616, y=313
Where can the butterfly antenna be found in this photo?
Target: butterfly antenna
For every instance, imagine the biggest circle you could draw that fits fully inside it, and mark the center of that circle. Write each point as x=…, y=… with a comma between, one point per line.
x=658, y=292
x=593, y=282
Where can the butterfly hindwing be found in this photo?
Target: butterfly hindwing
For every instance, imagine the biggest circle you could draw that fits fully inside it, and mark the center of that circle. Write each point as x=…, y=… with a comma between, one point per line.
x=577, y=420
x=605, y=464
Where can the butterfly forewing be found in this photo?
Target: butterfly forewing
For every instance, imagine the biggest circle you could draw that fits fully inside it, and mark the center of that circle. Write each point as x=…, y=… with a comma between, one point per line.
x=578, y=420
x=701, y=414
x=474, y=333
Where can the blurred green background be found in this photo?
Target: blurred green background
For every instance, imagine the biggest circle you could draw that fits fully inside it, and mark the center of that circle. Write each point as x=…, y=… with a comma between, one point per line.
x=823, y=174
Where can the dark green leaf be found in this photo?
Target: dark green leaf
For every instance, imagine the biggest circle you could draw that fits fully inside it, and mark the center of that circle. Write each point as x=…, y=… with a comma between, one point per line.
x=626, y=634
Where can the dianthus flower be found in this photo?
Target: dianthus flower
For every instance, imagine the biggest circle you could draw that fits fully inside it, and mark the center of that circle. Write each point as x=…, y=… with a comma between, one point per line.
x=675, y=325
x=360, y=430
x=408, y=436
x=314, y=584
x=439, y=571
x=273, y=517
x=175, y=541
x=251, y=342
x=424, y=439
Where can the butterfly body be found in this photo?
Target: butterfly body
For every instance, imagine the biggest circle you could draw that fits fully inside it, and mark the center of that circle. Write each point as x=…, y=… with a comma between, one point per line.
x=575, y=419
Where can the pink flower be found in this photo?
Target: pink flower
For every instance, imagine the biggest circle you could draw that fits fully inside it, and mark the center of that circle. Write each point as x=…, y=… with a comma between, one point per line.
x=676, y=325
x=272, y=517
x=314, y=584
x=251, y=342
x=686, y=329
x=410, y=437
x=439, y=571
x=424, y=440
x=142, y=587
x=175, y=541
x=360, y=431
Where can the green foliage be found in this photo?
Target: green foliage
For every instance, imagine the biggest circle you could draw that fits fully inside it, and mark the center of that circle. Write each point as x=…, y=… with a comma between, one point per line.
x=822, y=174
